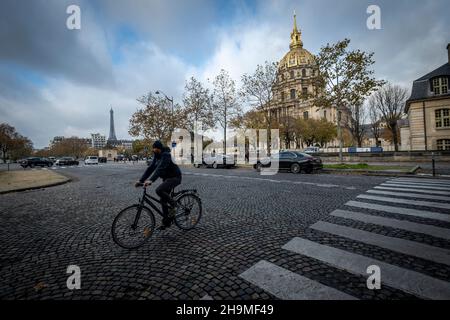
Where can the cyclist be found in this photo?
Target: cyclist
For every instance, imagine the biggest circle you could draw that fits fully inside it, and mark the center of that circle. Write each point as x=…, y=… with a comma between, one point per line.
x=163, y=167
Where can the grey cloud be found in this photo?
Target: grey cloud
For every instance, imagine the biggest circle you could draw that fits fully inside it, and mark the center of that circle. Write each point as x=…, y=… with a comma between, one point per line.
x=33, y=34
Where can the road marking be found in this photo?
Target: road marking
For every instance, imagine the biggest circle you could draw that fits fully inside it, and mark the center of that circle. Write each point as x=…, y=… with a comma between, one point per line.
x=444, y=182
x=288, y=285
x=406, y=201
x=409, y=281
x=399, y=210
x=412, y=248
x=414, y=190
x=417, y=186
x=322, y=185
x=409, y=195
x=394, y=223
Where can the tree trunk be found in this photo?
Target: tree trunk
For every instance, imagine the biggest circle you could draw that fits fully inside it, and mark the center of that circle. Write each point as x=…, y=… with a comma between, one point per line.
x=395, y=137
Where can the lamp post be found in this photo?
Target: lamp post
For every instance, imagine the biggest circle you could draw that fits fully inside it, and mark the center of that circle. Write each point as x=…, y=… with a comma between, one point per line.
x=171, y=101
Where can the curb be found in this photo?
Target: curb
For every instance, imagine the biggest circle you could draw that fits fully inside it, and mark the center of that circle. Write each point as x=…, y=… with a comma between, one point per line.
x=38, y=187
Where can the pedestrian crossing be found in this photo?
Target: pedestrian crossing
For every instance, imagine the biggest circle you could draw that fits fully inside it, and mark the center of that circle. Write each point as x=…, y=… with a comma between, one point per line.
x=387, y=206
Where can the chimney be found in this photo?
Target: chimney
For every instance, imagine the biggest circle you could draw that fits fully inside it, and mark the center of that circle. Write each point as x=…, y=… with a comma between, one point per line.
x=448, y=52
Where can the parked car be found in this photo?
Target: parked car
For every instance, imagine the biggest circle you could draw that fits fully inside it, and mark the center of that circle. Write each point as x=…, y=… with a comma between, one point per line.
x=149, y=160
x=36, y=162
x=102, y=159
x=293, y=161
x=311, y=150
x=217, y=161
x=91, y=160
x=66, y=161
x=52, y=159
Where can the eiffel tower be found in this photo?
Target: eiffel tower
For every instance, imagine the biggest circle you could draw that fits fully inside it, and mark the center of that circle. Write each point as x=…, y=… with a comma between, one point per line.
x=112, y=139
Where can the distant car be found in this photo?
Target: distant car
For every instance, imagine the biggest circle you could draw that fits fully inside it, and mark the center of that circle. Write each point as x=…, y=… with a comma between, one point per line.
x=102, y=159
x=217, y=161
x=293, y=161
x=52, y=159
x=311, y=150
x=66, y=161
x=91, y=160
x=149, y=160
x=36, y=162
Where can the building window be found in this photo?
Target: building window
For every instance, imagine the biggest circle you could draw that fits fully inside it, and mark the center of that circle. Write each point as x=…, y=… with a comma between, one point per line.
x=442, y=118
x=282, y=95
x=443, y=144
x=305, y=91
x=303, y=73
x=440, y=85
x=292, y=94
x=292, y=74
x=305, y=115
x=325, y=114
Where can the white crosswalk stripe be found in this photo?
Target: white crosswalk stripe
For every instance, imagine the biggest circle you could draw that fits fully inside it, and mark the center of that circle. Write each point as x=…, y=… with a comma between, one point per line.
x=285, y=284
x=422, y=181
x=394, y=223
x=400, y=210
x=409, y=195
x=409, y=281
x=288, y=285
x=413, y=190
x=406, y=201
x=416, y=249
x=418, y=186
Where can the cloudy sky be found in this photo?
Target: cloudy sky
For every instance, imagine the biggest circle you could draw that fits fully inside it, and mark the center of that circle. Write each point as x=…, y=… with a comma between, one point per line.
x=55, y=81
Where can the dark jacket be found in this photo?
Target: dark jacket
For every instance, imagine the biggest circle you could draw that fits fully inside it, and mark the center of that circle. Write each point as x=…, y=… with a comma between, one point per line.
x=162, y=167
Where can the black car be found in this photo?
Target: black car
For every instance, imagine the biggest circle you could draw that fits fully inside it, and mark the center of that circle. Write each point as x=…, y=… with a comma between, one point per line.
x=217, y=161
x=293, y=161
x=67, y=161
x=36, y=162
x=102, y=159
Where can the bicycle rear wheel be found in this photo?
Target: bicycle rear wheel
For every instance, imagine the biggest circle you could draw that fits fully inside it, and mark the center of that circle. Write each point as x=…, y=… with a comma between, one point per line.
x=127, y=233
x=189, y=211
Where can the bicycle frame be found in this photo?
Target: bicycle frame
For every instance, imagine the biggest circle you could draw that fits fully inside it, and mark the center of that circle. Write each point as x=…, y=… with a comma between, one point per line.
x=147, y=199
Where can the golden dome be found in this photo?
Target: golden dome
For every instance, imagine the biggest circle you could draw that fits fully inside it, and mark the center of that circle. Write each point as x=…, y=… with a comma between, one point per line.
x=297, y=56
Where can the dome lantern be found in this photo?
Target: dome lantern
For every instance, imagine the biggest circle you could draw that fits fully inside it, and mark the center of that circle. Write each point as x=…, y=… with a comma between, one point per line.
x=296, y=35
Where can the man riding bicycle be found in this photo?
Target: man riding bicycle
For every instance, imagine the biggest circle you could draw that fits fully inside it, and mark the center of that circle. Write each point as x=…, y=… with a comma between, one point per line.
x=163, y=167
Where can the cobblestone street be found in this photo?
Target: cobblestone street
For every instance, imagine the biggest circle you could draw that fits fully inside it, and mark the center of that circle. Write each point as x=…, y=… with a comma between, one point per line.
x=249, y=221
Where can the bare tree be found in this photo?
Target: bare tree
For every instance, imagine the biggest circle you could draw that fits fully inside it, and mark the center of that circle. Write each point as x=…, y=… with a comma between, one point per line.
x=197, y=102
x=225, y=102
x=358, y=116
x=375, y=121
x=257, y=90
x=389, y=101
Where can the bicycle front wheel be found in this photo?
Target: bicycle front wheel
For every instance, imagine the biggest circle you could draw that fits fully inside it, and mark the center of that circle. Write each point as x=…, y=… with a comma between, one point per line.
x=133, y=226
x=189, y=211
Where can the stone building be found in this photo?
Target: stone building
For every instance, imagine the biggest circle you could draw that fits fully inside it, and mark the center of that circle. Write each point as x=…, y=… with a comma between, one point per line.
x=428, y=109
x=295, y=84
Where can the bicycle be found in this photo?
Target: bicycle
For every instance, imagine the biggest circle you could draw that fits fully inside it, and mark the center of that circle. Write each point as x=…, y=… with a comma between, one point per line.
x=137, y=222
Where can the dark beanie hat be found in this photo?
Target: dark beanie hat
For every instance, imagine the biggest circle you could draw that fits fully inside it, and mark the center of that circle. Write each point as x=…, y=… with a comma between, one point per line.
x=158, y=145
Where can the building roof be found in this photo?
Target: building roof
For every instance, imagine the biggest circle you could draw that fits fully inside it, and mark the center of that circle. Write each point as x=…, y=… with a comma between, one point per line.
x=421, y=88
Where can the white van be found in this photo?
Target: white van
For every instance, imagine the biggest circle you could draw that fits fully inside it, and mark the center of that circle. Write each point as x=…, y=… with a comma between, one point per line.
x=91, y=160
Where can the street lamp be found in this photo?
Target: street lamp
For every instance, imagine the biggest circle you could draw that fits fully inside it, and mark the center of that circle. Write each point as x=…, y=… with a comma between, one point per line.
x=171, y=101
